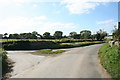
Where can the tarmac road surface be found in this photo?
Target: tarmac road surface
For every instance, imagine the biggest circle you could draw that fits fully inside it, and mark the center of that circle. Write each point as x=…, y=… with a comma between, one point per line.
x=81, y=62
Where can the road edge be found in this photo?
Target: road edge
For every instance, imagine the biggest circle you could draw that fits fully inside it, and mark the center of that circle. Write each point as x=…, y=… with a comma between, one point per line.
x=106, y=74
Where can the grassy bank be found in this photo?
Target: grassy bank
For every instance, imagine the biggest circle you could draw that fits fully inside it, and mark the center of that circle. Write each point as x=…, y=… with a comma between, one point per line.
x=3, y=60
x=110, y=59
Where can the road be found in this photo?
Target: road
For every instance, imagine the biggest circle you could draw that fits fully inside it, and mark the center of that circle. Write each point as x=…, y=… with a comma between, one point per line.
x=81, y=62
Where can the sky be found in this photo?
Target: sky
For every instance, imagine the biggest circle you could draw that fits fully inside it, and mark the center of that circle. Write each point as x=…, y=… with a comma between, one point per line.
x=22, y=16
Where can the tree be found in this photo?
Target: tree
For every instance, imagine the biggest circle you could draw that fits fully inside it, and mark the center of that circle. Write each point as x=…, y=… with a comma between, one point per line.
x=116, y=33
x=58, y=34
x=72, y=34
x=28, y=36
x=39, y=36
x=35, y=34
x=100, y=35
x=5, y=35
x=65, y=36
x=77, y=36
x=14, y=36
x=93, y=36
x=85, y=34
x=46, y=35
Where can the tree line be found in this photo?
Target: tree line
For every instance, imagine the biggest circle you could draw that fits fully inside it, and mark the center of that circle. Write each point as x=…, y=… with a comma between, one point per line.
x=84, y=34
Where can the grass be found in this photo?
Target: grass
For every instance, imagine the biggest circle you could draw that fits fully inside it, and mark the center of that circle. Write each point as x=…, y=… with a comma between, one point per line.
x=54, y=40
x=49, y=51
x=3, y=61
x=110, y=59
x=11, y=40
x=79, y=44
x=58, y=51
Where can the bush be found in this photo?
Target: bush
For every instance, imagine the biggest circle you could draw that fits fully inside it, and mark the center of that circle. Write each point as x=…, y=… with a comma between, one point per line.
x=110, y=59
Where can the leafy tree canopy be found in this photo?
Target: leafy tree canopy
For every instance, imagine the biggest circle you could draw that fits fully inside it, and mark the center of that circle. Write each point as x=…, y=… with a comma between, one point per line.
x=85, y=34
x=58, y=34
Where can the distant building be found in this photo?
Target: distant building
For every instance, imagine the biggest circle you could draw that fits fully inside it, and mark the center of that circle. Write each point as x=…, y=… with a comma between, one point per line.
x=109, y=37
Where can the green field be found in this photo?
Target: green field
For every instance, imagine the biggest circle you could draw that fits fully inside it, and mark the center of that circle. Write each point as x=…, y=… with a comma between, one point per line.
x=54, y=40
x=9, y=40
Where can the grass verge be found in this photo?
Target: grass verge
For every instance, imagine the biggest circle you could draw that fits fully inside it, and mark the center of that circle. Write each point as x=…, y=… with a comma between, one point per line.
x=49, y=51
x=110, y=59
x=3, y=60
x=6, y=65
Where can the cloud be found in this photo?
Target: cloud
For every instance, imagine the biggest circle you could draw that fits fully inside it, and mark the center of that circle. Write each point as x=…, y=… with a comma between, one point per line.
x=57, y=12
x=15, y=24
x=24, y=24
x=34, y=5
x=83, y=6
x=40, y=18
x=59, y=25
x=74, y=6
x=107, y=23
x=16, y=2
x=104, y=0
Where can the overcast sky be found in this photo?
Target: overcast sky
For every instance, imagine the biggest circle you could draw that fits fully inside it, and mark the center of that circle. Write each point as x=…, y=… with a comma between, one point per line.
x=19, y=16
